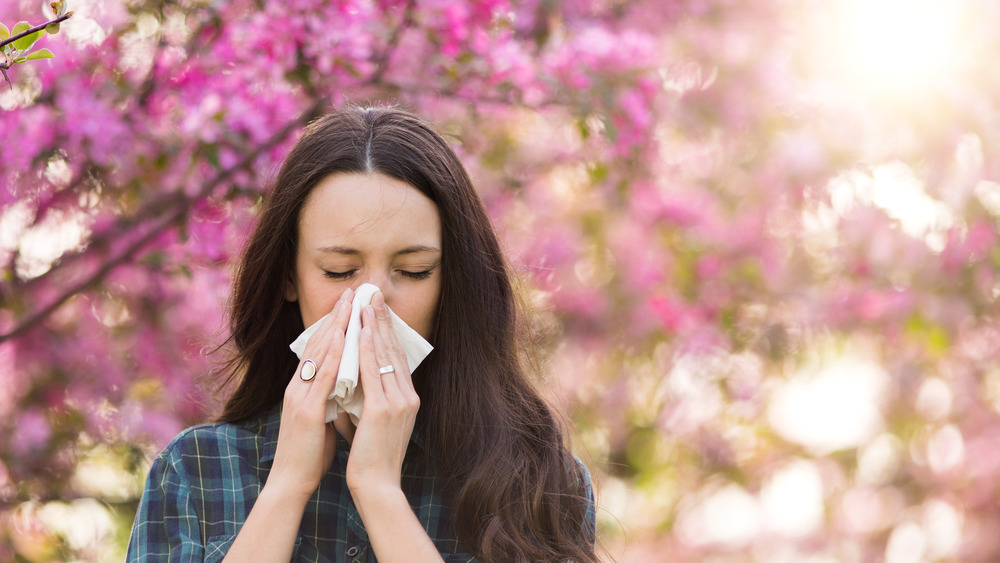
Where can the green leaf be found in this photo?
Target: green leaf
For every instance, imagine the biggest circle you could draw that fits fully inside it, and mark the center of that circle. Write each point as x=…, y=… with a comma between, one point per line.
x=18, y=61
x=19, y=27
x=52, y=29
x=40, y=54
x=27, y=41
x=4, y=32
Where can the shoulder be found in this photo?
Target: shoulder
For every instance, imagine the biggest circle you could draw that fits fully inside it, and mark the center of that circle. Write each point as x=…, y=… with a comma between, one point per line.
x=193, y=440
x=580, y=475
x=205, y=448
x=203, y=484
x=584, y=484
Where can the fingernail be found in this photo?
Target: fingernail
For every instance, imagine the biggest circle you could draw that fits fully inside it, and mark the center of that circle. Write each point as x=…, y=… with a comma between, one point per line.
x=378, y=301
x=346, y=293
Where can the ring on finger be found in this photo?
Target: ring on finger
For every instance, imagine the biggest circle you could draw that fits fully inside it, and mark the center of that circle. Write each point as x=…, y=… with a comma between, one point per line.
x=386, y=369
x=308, y=371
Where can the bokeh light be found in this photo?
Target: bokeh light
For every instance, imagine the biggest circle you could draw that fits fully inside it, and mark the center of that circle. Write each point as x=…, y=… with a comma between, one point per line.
x=897, y=49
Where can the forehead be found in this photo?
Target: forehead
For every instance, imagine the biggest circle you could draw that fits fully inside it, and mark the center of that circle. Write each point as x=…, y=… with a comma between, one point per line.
x=370, y=212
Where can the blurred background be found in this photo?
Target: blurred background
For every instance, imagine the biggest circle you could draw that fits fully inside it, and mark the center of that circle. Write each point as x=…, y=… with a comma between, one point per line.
x=760, y=239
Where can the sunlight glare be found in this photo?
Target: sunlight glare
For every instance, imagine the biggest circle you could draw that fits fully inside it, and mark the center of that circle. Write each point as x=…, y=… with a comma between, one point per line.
x=44, y=243
x=834, y=407
x=792, y=500
x=726, y=516
x=893, y=46
x=896, y=189
x=902, y=37
x=907, y=544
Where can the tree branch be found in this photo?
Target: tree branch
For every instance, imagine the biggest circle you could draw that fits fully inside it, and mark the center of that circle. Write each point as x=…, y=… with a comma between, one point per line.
x=35, y=29
x=178, y=210
x=382, y=61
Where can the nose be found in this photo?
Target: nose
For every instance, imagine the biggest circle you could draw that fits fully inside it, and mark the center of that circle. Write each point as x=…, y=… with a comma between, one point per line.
x=380, y=280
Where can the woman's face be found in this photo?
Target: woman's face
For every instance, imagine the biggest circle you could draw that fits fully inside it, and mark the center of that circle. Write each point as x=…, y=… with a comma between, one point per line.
x=368, y=228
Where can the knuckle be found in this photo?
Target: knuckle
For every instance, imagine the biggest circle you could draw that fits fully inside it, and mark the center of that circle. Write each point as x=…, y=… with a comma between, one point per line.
x=413, y=401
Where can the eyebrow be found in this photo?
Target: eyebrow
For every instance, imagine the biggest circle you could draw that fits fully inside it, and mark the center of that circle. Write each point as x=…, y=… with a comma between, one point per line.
x=347, y=250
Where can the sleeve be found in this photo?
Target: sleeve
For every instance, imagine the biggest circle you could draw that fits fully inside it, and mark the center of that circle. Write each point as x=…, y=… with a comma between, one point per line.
x=166, y=526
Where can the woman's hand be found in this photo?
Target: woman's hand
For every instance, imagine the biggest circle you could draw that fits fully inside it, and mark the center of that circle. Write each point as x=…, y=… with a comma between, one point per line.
x=375, y=465
x=297, y=469
x=390, y=406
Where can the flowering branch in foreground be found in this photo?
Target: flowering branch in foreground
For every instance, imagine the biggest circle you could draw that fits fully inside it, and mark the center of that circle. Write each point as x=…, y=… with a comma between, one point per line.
x=15, y=47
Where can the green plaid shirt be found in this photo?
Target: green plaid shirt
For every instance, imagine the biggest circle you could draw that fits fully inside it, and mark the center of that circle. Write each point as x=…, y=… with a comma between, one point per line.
x=201, y=488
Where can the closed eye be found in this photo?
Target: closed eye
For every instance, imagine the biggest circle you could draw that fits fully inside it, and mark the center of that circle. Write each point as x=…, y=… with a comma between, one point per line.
x=339, y=275
x=422, y=275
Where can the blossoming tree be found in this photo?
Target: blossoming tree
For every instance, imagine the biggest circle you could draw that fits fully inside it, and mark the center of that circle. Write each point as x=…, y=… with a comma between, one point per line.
x=760, y=240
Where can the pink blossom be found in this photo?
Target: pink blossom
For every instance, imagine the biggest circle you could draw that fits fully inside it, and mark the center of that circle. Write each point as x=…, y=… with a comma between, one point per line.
x=673, y=314
x=667, y=175
x=30, y=433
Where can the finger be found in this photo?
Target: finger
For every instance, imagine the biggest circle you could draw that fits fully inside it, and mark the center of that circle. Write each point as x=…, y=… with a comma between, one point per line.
x=327, y=376
x=392, y=351
x=319, y=343
x=383, y=359
x=370, y=377
x=320, y=340
x=301, y=381
x=384, y=323
x=313, y=353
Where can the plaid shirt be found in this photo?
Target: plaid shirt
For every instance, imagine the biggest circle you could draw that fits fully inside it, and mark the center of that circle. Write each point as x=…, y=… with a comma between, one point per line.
x=201, y=488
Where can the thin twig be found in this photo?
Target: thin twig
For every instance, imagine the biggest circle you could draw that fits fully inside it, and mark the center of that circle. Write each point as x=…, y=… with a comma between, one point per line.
x=35, y=29
x=382, y=61
x=145, y=91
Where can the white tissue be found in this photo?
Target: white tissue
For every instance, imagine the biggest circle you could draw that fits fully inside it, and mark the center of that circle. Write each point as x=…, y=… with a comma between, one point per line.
x=347, y=396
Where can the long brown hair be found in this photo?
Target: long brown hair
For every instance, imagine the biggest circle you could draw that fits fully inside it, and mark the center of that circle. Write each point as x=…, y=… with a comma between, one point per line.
x=517, y=492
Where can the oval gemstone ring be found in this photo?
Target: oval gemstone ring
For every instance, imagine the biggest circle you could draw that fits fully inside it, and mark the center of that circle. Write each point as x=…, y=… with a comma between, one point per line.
x=308, y=371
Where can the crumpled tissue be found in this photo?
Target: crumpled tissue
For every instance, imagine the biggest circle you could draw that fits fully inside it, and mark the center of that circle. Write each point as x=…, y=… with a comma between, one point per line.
x=347, y=396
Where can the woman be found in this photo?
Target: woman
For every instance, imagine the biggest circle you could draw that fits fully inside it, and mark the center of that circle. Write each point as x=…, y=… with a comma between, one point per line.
x=459, y=461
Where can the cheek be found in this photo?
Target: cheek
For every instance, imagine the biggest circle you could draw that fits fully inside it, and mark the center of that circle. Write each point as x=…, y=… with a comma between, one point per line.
x=418, y=313
x=315, y=301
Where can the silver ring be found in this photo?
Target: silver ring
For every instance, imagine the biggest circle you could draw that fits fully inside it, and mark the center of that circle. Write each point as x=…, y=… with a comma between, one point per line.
x=308, y=371
x=386, y=369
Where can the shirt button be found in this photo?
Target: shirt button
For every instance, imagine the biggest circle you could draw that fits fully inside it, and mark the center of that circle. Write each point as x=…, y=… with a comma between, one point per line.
x=352, y=551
